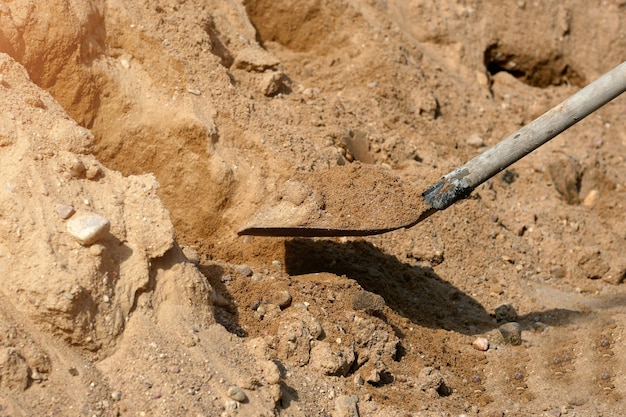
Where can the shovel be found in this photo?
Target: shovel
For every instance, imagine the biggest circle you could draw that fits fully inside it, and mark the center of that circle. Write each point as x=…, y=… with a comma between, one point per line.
x=360, y=200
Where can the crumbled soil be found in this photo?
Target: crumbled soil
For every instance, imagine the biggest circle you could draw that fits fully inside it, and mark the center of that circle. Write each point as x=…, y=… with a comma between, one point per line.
x=178, y=119
x=352, y=200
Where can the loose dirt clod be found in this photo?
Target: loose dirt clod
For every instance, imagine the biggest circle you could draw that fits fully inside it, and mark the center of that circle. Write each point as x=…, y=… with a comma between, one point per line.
x=511, y=333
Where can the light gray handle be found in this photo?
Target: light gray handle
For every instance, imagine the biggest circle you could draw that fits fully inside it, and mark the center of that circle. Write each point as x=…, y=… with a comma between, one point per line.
x=459, y=183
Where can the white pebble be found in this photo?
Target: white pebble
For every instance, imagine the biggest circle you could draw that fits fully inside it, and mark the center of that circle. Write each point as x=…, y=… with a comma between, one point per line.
x=591, y=198
x=481, y=343
x=89, y=228
x=194, y=91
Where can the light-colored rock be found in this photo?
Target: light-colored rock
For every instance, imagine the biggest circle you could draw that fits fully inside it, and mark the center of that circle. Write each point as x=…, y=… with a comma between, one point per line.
x=346, y=406
x=65, y=211
x=481, y=343
x=282, y=299
x=89, y=228
x=591, y=198
x=237, y=394
x=475, y=141
x=271, y=82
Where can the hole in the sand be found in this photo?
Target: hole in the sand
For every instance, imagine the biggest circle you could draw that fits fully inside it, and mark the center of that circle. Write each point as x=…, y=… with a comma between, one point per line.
x=535, y=71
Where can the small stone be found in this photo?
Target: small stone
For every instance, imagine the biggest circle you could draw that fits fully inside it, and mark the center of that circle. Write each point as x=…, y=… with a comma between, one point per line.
x=219, y=300
x=244, y=270
x=346, y=406
x=230, y=406
x=96, y=250
x=475, y=141
x=511, y=333
x=558, y=271
x=591, y=198
x=77, y=168
x=35, y=375
x=358, y=380
x=237, y=394
x=93, y=172
x=116, y=395
x=617, y=273
x=282, y=299
x=89, y=228
x=64, y=211
x=261, y=310
x=481, y=343
x=505, y=313
x=270, y=83
x=194, y=91
x=556, y=412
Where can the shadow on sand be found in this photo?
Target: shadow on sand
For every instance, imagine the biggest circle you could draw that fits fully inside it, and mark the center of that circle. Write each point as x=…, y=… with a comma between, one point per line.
x=414, y=292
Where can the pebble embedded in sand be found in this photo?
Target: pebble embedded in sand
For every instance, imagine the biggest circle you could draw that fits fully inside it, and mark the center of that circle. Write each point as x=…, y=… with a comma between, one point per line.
x=481, y=343
x=282, y=299
x=77, y=168
x=270, y=83
x=475, y=141
x=346, y=406
x=591, y=198
x=511, y=333
x=96, y=250
x=89, y=228
x=244, y=270
x=64, y=211
x=237, y=394
x=93, y=172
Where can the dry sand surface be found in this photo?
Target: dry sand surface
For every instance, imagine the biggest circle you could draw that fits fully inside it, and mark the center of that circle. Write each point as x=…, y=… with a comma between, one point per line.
x=137, y=137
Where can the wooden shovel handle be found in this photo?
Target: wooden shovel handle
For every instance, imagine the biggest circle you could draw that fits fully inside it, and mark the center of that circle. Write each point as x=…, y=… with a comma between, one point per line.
x=459, y=183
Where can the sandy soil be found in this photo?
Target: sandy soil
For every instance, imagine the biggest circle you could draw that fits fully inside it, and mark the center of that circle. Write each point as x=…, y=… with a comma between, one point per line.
x=177, y=119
